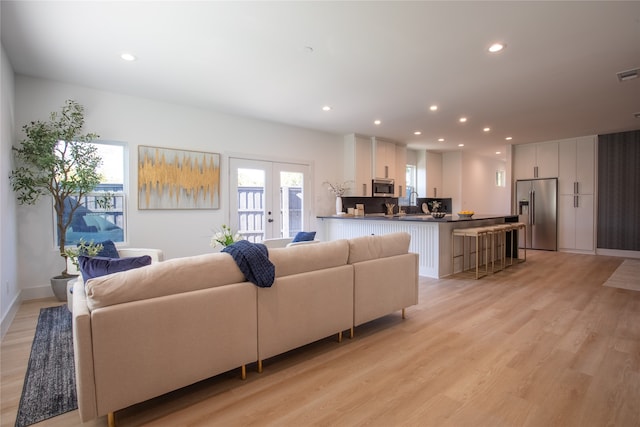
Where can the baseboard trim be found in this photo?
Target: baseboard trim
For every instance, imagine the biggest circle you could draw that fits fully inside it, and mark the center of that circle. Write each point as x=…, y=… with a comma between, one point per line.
x=7, y=320
x=618, y=253
x=36, y=292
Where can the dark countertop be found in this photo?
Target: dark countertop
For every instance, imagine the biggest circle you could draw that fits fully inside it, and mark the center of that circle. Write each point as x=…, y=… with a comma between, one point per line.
x=417, y=217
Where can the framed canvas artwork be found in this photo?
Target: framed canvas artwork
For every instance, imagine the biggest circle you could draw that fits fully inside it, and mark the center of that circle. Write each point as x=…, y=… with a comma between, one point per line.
x=178, y=179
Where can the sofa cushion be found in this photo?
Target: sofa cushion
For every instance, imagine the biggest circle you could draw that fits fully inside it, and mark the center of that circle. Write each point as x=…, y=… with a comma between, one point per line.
x=98, y=266
x=303, y=258
x=378, y=246
x=164, y=278
x=304, y=236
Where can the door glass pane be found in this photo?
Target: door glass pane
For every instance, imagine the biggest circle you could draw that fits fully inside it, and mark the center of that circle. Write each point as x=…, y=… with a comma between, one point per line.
x=251, y=186
x=291, y=203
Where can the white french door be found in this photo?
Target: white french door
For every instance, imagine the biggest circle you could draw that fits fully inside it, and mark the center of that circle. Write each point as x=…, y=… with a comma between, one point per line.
x=268, y=199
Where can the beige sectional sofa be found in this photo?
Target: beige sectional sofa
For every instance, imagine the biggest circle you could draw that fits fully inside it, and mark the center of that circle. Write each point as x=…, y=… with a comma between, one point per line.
x=142, y=333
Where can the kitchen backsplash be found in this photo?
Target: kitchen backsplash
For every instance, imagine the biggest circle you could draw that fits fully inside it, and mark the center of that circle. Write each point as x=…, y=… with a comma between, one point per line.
x=376, y=205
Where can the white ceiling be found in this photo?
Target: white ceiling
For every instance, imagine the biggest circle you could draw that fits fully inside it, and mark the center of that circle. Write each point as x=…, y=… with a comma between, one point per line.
x=385, y=60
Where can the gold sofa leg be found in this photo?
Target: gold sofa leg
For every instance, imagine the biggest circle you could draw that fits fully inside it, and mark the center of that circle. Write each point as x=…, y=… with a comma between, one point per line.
x=259, y=366
x=351, y=333
x=111, y=419
x=403, y=314
x=243, y=370
x=340, y=336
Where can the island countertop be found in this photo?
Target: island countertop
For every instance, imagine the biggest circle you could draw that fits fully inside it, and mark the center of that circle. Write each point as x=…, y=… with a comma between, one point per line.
x=415, y=217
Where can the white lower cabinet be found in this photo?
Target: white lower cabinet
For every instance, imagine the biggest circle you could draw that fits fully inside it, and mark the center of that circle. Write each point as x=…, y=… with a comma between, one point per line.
x=576, y=223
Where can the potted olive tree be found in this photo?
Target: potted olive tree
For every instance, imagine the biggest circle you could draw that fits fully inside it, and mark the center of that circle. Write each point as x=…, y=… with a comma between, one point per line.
x=57, y=159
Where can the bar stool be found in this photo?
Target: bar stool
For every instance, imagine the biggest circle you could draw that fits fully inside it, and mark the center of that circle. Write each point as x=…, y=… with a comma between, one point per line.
x=497, y=240
x=517, y=226
x=480, y=234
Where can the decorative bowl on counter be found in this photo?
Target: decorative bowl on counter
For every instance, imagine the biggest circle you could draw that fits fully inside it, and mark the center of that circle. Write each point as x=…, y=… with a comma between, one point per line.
x=465, y=214
x=438, y=215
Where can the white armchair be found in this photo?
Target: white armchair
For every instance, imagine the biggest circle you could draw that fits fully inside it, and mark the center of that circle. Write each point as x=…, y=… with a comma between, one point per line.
x=156, y=256
x=285, y=242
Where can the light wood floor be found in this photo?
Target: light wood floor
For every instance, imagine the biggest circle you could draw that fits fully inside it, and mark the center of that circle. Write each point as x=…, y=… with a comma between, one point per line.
x=540, y=344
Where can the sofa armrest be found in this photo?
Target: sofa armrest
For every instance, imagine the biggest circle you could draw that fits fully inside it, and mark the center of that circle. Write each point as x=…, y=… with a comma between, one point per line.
x=83, y=354
x=156, y=254
x=279, y=242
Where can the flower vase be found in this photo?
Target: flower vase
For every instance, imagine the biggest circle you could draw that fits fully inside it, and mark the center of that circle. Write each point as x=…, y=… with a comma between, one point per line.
x=339, y=205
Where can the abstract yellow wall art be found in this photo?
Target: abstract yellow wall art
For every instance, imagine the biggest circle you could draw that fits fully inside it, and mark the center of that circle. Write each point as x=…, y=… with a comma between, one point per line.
x=177, y=179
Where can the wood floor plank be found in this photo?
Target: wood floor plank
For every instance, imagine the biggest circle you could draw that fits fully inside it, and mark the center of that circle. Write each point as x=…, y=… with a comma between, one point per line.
x=540, y=343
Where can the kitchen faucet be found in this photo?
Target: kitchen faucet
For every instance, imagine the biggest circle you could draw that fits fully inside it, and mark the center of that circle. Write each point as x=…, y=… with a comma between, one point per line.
x=413, y=201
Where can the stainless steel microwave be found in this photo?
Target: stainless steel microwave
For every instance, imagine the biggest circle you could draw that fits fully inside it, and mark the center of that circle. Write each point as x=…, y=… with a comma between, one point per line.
x=382, y=187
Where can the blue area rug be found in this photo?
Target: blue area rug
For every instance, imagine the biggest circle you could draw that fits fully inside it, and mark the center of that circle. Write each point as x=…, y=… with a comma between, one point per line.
x=50, y=383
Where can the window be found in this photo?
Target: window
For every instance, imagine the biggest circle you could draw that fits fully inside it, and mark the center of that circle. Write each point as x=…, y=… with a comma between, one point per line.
x=102, y=215
x=410, y=186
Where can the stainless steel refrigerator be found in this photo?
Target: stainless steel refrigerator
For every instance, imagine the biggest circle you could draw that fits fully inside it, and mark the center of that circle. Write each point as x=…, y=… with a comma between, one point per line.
x=537, y=205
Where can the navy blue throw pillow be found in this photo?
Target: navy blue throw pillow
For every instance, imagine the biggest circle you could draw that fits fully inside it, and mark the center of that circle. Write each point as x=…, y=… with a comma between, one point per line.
x=91, y=267
x=304, y=236
x=109, y=250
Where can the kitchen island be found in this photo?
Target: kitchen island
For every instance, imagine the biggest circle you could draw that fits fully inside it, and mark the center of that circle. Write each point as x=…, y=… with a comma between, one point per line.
x=430, y=237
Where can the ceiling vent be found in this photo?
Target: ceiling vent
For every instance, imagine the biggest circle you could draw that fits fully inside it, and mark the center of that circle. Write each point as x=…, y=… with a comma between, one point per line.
x=623, y=76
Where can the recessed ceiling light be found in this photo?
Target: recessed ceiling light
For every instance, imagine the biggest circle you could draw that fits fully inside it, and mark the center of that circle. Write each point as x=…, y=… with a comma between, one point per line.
x=376, y=122
x=498, y=152
x=128, y=57
x=462, y=119
x=496, y=47
x=440, y=139
x=460, y=145
x=433, y=108
x=486, y=129
x=509, y=138
x=326, y=108
x=417, y=132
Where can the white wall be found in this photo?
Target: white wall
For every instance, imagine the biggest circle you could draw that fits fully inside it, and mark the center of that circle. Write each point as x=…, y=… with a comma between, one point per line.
x=9, y=290
x=469, y=179
x=452, y=179
x=139, y=121
x=480, y=192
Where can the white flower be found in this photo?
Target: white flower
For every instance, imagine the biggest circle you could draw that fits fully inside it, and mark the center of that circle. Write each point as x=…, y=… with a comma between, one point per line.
x=338, y=189
x=225, y=237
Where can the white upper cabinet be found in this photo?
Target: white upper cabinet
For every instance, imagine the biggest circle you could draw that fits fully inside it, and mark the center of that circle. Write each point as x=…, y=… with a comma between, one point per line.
x=577, y=165
x=384, y=153
x=366, y=158
x=357, y=167
x=539, y=160
x=401, y=171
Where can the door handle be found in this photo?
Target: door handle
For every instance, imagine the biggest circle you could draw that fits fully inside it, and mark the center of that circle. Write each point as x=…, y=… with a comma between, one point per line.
x=532, y=208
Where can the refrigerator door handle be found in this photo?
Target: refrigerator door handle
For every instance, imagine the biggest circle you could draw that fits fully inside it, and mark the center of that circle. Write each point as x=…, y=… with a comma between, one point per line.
x=532, y=209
